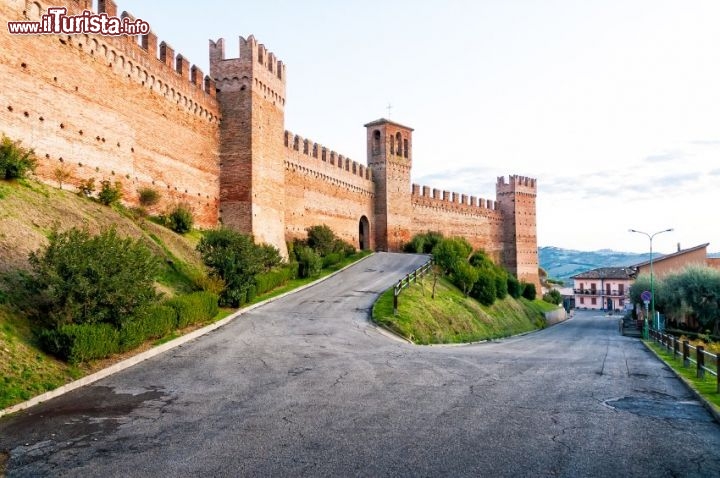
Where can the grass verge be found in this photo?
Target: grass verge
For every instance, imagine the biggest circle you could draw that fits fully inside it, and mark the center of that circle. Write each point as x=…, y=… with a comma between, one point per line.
x=706, y=387
x=453, y=318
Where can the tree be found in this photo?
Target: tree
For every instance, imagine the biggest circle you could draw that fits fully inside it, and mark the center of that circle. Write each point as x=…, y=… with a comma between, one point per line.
x=15, y=161
x=553, y=297
x=465, y=276
x=83, y=278
x=234, y=258
x=699, y=289
x=450, y=252
x=86, y=187
x=61, y=175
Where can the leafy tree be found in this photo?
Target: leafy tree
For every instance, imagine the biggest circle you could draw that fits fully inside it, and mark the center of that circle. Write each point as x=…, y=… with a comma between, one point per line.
x=61, y=175
x=83, y=278
x=234, y=258
x=424, y=243
x=310, y=261
x=450, y=252
x=109, y=194
x=15, y=161
x=553, y=297
x=699, y=291
x=465, y=276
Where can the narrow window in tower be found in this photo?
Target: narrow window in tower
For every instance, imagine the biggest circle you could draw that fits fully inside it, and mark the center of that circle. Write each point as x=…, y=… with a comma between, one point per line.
x=376, y=142
x=392, y=145
x=405, y=147
x=398, y=138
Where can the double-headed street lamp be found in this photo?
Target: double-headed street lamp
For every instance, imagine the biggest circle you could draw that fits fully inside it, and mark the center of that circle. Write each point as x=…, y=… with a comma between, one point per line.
x=652, y=287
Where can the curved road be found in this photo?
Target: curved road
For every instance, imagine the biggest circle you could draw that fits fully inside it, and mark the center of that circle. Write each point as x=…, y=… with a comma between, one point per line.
x=305, y=386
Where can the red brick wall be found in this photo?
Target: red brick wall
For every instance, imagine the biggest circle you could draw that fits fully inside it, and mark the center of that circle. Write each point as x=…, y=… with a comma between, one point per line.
x=323, y=187
x=105, y=108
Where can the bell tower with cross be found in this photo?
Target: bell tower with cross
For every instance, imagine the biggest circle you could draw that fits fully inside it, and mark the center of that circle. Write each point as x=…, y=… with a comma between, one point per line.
x=389, y=153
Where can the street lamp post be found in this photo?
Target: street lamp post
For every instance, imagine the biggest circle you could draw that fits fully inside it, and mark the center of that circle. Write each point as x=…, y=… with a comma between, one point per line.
x=652, y=287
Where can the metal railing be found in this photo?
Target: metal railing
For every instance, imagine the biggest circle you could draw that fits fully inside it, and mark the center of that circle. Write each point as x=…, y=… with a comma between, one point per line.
x=598, y=292
x=702, y=357
x=407, y=280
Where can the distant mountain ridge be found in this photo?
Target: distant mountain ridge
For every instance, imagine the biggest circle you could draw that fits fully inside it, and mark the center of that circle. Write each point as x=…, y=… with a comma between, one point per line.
x=565, y=263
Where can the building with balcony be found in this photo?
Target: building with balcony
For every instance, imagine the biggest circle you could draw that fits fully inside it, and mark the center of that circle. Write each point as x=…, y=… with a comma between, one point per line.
x=606, y=288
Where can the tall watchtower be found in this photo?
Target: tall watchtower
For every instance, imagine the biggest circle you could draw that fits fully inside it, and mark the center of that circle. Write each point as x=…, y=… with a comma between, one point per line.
x=516, y=200
x=251, y=93
x=389, y=153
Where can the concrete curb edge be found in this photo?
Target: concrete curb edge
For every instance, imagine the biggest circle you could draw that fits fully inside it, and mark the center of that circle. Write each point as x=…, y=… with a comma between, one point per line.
x=155, y=351
x=708, y=406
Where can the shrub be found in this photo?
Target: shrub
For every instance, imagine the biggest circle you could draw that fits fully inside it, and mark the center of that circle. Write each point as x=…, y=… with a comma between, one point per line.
x=149, y=322
x=148, y=196
x=77, y=343
x=194, y=308
x=86, y=187
x=310, y=263
x=109, y=194
x=465, y=276
x=514, y=287
x=269, y=256
x=15, y=161
x=234, y=258
x=86, y=279
x=529, y=291
x=553, y=297
x=267, y=281
x=484, y=288
x=501, y=283
x=331, y=259
x=321, y=239
x=180, y=219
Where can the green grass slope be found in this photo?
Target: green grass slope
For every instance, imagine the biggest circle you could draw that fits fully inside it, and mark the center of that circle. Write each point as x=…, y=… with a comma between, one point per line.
x=453, y=318
x=28, y=212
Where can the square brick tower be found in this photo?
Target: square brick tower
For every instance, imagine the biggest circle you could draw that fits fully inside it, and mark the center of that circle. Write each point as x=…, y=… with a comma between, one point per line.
x=389, y=153
x=516, y=199
x=251, y=93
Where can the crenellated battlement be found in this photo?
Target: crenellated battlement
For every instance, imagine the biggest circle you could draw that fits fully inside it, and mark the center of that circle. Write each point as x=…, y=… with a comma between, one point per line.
x=255, y=68
x=447, y=199
x=136, y=58
x=316, y=153
x=516, y=184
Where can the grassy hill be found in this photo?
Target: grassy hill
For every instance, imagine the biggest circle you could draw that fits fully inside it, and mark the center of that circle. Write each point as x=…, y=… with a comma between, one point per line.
x=565, y=263
x=453, y=318
x=28, y=212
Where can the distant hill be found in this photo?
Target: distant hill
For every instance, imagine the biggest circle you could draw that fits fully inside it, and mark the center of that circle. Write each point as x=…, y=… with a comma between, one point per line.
x=565, y=263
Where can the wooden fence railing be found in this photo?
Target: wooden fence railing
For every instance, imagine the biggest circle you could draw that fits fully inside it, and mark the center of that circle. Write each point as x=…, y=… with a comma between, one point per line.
x=407, y=280
x=700, y=360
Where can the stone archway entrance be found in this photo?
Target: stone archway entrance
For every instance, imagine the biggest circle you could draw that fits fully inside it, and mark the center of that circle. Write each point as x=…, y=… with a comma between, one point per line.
x=364, y=233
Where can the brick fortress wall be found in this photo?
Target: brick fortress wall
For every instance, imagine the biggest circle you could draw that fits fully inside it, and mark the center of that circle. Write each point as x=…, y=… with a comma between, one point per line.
x=128, y=109
x=111, y=108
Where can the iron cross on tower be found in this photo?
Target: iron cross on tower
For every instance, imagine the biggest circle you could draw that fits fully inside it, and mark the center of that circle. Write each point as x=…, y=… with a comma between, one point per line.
x=389, y=107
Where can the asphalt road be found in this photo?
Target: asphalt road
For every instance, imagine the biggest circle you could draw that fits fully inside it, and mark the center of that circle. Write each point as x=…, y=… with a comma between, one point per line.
x=306, y=387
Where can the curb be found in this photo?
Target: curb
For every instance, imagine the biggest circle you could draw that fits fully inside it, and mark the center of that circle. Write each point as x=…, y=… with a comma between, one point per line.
x=155, y=351
x=708, y=406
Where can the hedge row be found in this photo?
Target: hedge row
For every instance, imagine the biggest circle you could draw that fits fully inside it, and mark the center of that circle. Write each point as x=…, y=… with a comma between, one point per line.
x=267, y=281
x=81, y=342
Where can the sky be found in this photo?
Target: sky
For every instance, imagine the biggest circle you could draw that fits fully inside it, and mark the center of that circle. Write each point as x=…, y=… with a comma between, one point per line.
x=613, y=105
